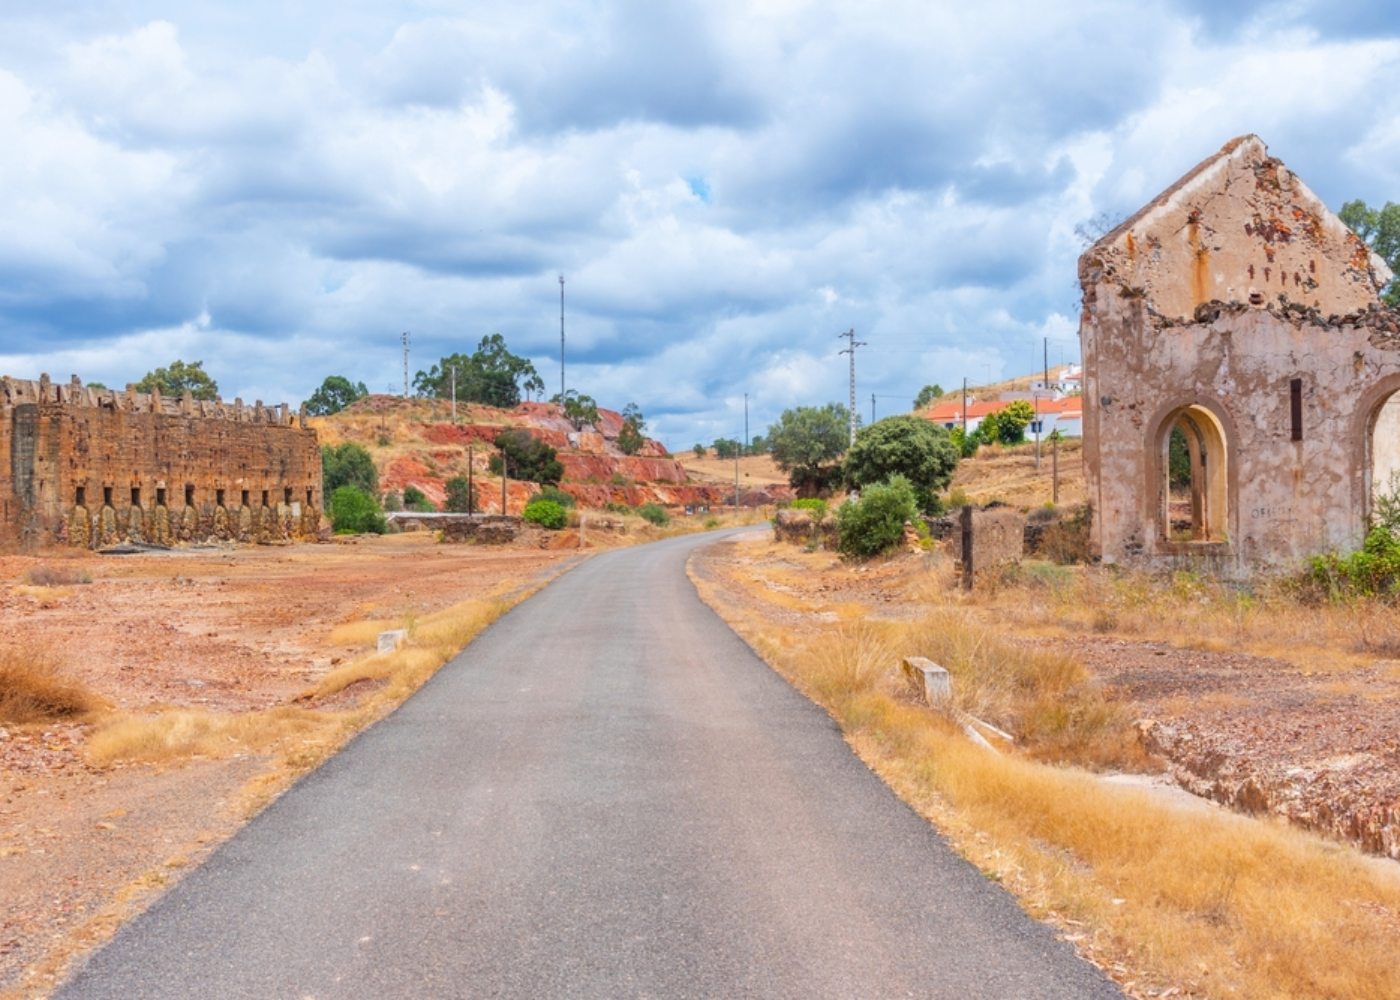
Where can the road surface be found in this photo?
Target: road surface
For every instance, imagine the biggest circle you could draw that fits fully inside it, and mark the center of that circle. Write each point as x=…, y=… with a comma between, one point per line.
x=606, y=795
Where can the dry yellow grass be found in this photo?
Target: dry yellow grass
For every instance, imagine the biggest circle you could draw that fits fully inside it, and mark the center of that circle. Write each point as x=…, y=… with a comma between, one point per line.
x=33, y=690
x=300, y=736
x=1201, y=900
x=361, y=633
x=1265, y=619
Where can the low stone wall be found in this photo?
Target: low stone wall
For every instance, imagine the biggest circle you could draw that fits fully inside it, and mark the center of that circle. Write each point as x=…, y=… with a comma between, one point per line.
x=800, y=527
x=483, y=529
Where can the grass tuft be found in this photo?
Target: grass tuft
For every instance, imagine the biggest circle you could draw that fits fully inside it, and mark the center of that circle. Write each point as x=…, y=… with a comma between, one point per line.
x=55, y=576
x=32, y=690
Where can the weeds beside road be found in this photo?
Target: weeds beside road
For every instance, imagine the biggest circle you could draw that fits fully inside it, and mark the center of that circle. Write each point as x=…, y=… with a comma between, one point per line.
x=1197, y=899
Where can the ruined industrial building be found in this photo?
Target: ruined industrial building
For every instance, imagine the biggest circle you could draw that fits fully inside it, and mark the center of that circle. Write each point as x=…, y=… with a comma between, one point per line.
x=1237, y=314
x=95, y=467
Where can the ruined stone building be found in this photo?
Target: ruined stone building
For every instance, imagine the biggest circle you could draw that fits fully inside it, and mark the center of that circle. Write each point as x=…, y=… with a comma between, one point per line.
x=92, y=467
x=1238, y=373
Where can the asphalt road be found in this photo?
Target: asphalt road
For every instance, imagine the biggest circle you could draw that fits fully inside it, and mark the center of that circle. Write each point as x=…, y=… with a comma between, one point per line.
x=606, y=795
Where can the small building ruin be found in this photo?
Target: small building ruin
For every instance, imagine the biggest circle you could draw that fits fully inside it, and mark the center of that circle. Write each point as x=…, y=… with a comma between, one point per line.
x=95, y=467
x=1239, y=369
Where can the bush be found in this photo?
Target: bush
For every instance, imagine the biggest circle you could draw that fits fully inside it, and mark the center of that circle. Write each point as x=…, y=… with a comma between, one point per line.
x=546, y=513
x=875, y=522
x=1373, y=570
x=55, y=576
x=816, y=505
x=527, y=458
x=416, y=499
x=906, y=446
x=392, y=501
x=354, y=512
x=655, y=513
x=561, y=497
x=347, y=465
x=459, y=499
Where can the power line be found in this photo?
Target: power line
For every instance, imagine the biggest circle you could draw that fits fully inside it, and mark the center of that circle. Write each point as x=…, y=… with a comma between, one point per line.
x=850, y=349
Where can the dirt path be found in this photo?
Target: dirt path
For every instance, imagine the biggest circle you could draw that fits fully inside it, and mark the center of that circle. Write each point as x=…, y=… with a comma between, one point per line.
x=225, y=630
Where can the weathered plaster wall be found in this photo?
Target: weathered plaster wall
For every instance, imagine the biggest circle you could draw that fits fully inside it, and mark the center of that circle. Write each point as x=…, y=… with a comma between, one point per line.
x=93, y=467
x=1183, y=307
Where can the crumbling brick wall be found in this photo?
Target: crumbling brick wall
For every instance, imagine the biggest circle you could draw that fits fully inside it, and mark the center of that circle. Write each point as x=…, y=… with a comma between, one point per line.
x=91, y=468
x=1237, y=307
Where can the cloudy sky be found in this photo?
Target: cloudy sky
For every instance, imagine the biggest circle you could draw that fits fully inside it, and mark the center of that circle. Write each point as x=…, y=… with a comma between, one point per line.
x=280, y=188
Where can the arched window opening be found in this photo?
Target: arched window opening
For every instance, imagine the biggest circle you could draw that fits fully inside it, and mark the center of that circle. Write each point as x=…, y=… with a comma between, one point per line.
x=1193, y=475
x=1383, y=497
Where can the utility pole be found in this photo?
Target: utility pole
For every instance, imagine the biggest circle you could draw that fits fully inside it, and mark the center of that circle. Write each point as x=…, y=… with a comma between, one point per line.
x=744, y=446
x=964, y=409
x=850, y=349
x=454, y=393
x=561, y=339
x=471, y=485
x=404, y=338
x=872, y=407
x=736, y=478
x=505, y=476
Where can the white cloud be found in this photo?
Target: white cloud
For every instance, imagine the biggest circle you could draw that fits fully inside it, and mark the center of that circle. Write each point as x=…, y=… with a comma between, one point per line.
x=725, y=185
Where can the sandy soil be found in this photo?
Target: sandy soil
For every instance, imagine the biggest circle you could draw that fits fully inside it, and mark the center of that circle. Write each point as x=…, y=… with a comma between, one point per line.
x=219, y=629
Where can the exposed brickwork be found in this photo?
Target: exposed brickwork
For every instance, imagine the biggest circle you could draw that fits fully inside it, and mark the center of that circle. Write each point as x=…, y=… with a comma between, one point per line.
x=93, y=467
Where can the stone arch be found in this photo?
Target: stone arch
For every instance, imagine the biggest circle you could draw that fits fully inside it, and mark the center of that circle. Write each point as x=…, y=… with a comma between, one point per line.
x=1203, y=510
x=1376, y=434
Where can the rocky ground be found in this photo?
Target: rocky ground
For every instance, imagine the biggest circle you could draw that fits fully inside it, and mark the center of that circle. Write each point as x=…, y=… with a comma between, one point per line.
x=225, y=630
x=1319, y=747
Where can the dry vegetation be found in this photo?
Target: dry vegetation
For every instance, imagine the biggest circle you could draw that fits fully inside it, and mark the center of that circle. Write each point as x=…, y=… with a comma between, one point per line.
x=1164, y=897
x=32, y=690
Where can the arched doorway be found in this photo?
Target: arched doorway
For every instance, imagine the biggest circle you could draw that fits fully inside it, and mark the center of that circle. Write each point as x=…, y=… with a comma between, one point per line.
x=1383, y=465
x=1193, y=474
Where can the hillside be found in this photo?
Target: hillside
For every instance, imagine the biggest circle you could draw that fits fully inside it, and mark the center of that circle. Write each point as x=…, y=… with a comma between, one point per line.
x=414, y=442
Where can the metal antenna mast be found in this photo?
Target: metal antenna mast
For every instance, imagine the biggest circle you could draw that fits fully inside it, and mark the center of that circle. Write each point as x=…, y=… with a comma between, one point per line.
x=561, y=338
x=405, y=364
x=850, y=349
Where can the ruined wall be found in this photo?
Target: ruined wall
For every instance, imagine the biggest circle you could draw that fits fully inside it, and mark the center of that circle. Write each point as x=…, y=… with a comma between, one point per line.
x=1237, y=300
x=94, y=467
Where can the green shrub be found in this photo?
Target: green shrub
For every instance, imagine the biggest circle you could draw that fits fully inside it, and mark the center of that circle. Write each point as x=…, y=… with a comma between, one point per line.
x=561, y=497
x=459, y=499
x=875, y=522
x=416, y=499
x=711, y=523
x=613, y=507
x=815, y=504
x=546, y=513
x=392, y=500
x=347, y=464
x=1371, y=571
x=355, y=512
x=655, y=513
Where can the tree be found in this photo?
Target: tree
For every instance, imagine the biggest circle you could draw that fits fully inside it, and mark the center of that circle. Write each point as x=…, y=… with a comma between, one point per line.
x=1380, y=228
x=348, y=464
x=699, y=450
x=927, y=395
x=630, y=438
x=459, y=498
x=875, y=523
x=173, y=381
x=491, y=375
x=907, y=446
x=353, y=511
x=807, y=443
x=526, y=457
x=335, y=394
x=579, y=410
x=1007, y=425
x=726, y=447
x=759, y=445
